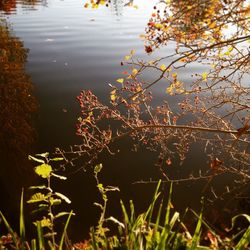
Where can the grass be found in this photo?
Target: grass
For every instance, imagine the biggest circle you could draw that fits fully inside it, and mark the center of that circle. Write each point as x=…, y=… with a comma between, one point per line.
x=159, y=227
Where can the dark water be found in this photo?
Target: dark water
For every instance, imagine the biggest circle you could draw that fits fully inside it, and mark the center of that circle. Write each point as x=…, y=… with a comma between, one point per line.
x=61, y=48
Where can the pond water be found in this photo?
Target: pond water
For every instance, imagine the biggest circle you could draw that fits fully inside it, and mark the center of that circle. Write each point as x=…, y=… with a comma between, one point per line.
x=61, y=48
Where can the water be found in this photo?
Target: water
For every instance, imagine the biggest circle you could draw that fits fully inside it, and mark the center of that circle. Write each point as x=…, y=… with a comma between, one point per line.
x=71, y=48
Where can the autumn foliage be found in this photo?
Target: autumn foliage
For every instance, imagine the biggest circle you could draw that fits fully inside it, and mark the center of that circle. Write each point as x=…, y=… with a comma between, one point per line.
x=211, y=108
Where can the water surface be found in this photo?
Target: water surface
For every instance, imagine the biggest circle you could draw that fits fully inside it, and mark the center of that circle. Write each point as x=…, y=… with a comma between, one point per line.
x=67, y=48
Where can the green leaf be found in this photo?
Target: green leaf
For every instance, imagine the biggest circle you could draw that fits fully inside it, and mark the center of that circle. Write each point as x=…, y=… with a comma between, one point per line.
x=65, y=229
x=57, y=159
x=112, y=188
x=37, y=197
x=22, y=224
x=45, y=222
x=38, y=187
x=32, y=158
x=61, y=177
x=46, y=154
x=43, y=170
x=40, y=235
x=63, y=197
x=98, y=168
x=197, y=233
x=55, y=201
x=111, y=218
x=244, y=241
x=61, y=214
x=98, y=205
x=33, y=244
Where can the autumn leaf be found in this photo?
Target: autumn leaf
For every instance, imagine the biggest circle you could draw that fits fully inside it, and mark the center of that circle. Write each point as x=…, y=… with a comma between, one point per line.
x=126, y=58
x=120, y=80
x=204, y=76
x=113, y=95
x=134, y=72
x=132, y=52
x=148, y=49
x=163, y=67
x=168, y=161
x=43, y=170
x=174, y=75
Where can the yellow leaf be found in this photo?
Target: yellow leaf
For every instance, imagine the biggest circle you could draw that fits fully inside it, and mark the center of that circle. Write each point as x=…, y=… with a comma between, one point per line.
x=43, y=170
x=135, y=6
x=120, y=80
x=127, y=58
x=113, y=95
x=212, y=25
x=132, y=52
x=163, y=67
x=159, y=26
x=174, y=75
x=134, y=72
x=204, y=76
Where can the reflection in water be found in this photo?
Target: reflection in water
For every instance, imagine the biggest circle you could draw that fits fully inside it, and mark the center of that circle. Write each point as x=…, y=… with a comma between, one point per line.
x=17, y=105
x=118, y=5
x=8, y=6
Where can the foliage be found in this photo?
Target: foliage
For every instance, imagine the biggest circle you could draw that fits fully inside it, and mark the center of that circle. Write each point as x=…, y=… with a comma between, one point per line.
x=159, y=229
x=45, y=201
x=210, y=108
x=156, y=228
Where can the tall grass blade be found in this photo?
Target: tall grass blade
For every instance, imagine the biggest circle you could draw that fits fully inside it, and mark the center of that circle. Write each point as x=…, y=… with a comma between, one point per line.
x=149, y=212
x=132, y=211
x=94, y=243
x=125, y=214
x=10, y=230
x=197, y=233
x=33, y=244
x=22, y=224
x=52, y=247
x=40, y=235
x=65, y=230
x=244, y=241
x=165, y=231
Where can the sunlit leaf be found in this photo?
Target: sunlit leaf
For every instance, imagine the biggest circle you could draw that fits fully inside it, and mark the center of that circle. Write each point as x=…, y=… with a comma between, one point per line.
x=132, y=52
x=134, y=72
x=57, y=159
x=61, y=214
x=113, y=95
x=63, y=197
x=35, y=159
x=46, y=154
x=174, y=75
x=98, y=168
x=163, y=67
x=37, y=197
x=126, y=58
x=43, y=170
x=120, y=80
x=38, y=187
x=45, y=222
x=54, y=201
x=61, y=177
x=204, y=76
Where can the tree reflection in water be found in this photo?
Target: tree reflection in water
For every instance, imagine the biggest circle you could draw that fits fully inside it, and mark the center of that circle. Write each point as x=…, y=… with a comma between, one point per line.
x=17, y=106
x=8, y=6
